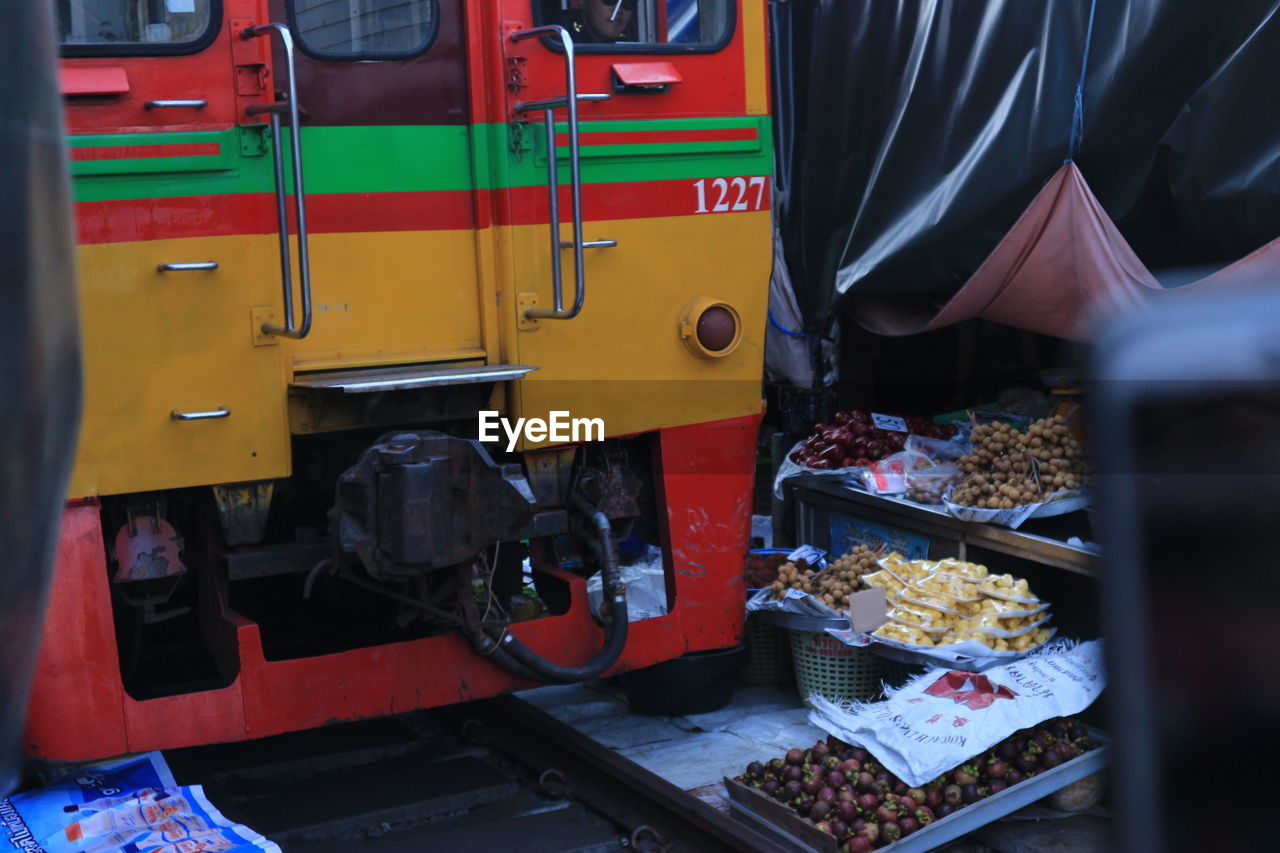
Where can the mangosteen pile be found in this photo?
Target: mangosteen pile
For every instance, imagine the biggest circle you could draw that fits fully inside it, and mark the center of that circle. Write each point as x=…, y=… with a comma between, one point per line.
x=843, y=791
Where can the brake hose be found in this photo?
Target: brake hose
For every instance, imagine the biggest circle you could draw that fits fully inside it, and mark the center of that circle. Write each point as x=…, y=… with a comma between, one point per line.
x=502, y=647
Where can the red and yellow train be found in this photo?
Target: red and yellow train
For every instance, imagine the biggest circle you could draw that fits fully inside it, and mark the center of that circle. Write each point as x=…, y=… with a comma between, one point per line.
x=317, y=239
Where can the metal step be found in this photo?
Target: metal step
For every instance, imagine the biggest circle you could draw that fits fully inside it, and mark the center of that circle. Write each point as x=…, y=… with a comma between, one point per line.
x=407, y=376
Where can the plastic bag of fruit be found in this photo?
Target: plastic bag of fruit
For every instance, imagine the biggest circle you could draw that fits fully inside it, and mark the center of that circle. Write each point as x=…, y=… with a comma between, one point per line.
x=941, y=718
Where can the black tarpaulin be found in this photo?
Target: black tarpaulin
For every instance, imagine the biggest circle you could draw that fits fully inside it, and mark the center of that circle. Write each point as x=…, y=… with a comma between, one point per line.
x=915, y=135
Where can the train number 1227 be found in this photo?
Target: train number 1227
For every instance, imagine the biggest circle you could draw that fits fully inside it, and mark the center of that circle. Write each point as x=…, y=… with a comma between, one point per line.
x=731, y=194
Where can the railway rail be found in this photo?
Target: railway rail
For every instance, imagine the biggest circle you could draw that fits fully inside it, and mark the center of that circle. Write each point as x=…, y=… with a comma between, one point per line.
x=486, y=776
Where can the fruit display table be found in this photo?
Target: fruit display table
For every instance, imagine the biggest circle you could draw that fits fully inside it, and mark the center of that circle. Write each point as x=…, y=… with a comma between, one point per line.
x=836, y=517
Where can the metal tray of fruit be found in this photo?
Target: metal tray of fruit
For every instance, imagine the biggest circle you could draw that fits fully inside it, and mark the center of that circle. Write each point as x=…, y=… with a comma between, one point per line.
x=792, y=832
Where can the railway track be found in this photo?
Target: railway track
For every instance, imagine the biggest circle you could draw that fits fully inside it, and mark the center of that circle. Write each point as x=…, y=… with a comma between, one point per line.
x=488, y=776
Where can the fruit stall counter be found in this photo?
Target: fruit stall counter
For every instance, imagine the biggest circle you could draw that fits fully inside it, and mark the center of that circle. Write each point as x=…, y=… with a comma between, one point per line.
x=837, y=517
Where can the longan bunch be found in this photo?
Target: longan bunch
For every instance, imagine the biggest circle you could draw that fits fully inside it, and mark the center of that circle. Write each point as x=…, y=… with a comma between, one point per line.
x=843, y=577
x=1008, y=468
x=797, y=575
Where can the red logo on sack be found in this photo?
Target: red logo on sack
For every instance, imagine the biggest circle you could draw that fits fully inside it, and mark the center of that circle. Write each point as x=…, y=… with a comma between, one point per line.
x=975, y=691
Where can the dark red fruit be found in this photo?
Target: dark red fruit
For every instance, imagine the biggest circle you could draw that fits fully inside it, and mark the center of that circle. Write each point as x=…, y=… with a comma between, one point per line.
x=933, y=797
x=862, y=755
x=886, y=813
x=820, y=751
x=871, y=832
x=1050, y=759
x=770, y=786
x=965, y=774
x=865, y=781
x=997, y=785
x=804, y=808
x=755, y=770
x=924, y=815
x=820, y=810
x=795, y=757
x=835, y=779
x=839, y=829
x=846, y=795
x=969, y=794
x=847, y=812
x=776, y=765
x=868, y=803
x=850, y=767
x=943, y=810
x=890, y=831
x=857, y=844
x=996, y=769
x=1015, y=776
x=830, y=763
x=814, y=785
x=1007, y=750
x=917, y=794
x=792, y=791
x=827, y=795
x=908, y=825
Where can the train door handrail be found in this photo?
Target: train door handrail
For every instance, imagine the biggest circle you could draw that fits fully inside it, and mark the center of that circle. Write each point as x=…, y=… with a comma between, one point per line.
x=274, y=109
x=548, y=106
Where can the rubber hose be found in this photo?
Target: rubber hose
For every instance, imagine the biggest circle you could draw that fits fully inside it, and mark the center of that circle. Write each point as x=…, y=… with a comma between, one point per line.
x=615, y=627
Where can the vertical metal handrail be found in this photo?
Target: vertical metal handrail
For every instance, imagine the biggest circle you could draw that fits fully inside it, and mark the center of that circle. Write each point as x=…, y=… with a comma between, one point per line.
x=288, y=330
x=548, y=107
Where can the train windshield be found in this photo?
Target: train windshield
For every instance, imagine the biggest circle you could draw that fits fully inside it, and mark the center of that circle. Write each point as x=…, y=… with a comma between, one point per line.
x=643, y=24
x=133, y=22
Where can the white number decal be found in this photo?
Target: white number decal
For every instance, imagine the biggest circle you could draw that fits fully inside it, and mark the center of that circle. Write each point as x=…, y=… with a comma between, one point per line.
x=742, y=199
x=722, y=203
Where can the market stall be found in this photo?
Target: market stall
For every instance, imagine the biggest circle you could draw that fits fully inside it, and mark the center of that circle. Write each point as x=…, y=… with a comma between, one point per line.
x=948, y=574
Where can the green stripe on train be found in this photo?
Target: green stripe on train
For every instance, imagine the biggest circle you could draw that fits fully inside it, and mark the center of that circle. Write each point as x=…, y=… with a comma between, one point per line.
x=411, y=159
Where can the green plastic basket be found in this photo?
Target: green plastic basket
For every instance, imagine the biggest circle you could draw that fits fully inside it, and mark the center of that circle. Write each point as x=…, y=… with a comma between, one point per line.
x=828, y=667
x=770, y=654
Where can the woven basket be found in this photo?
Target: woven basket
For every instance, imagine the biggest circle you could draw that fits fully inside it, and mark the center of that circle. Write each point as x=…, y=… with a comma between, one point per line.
x=770, y=654
x=828, y=667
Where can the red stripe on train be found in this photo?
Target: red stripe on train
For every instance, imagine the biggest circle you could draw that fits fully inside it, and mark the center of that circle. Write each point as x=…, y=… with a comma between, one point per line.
x=254, y=213
x=638, y=137
x=138, y=152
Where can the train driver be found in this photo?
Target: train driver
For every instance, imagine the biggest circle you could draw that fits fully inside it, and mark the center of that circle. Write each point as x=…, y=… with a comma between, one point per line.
x=599, y=21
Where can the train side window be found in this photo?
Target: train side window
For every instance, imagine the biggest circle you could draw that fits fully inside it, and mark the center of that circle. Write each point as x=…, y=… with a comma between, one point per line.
x=136, y=27
x=364, y=29
x=642, y=26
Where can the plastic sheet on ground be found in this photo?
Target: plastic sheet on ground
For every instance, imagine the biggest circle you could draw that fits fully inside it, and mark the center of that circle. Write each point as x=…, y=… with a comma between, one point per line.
x=942, y=718
x=131, y=805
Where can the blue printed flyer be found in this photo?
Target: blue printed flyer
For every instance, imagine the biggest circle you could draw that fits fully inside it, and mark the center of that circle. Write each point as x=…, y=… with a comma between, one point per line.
x=128, y=806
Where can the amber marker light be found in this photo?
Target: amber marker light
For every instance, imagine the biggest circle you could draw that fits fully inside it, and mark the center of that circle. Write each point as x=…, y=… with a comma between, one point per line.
x=711, y=328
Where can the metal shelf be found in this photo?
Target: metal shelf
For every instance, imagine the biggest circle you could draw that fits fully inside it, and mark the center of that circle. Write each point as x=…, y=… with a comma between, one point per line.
x=1039, y=540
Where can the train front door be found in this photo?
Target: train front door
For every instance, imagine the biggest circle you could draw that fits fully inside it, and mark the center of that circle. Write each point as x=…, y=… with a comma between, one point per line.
x=382, y=96
x=662, y=165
